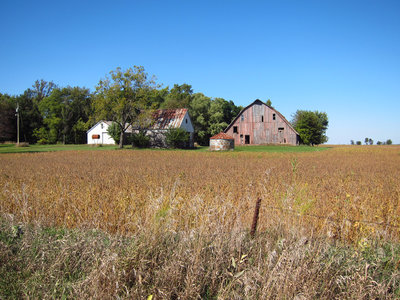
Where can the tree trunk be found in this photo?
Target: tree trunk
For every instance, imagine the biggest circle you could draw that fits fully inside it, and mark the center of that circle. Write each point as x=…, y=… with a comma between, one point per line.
x=121, y=140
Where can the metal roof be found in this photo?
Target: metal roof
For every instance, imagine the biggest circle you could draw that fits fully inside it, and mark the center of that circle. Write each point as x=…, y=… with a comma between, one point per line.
x=168, y=118
x=221, y=136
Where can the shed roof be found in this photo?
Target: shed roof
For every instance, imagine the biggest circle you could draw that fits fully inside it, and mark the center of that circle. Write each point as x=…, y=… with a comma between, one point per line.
x=221, y=136
x=167, y=118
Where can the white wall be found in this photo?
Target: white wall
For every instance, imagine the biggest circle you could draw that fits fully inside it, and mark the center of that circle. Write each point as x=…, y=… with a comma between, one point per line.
x=187, y=124
x=99, y=129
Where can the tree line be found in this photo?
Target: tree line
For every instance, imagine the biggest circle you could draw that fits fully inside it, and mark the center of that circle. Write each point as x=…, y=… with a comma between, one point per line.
x=369, y=141
x=52, y=114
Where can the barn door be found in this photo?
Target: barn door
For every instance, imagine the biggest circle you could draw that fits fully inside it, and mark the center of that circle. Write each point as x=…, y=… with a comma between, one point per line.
x=281, y=136
x=104, y=137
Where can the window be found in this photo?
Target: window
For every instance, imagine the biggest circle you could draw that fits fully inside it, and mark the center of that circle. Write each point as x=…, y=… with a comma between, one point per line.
x=273, y=116
x=101, y=126
x=235, y=129
x=242, y=117
x=247, y=139
x=281, y=129
x=186, y=121
x=262, y=119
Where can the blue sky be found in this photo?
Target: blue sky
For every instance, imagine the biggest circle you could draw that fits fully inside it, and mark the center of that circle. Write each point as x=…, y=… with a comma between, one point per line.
x=340, y=57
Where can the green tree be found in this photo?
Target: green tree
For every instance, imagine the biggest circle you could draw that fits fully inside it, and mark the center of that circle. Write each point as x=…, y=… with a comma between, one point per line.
x=268, y=103
x=140, y=139
x=366, y=140
x=8, y=121
x=61, y=111
x=179, y=96
x=28, y=102
x=389, y=142
x=379, y=143
x=200, y=115
x=352, y=142
x=123, y=96
x=177, y=137
x=311, y=126
x=114, y=131
x=222, y=112
x=370, y=141
x=358, y=143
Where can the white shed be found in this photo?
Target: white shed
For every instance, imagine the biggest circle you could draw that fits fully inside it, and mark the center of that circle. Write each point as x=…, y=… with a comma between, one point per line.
x=98, y=134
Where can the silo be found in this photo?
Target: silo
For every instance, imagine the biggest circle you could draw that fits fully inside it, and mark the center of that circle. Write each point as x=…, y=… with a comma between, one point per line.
x=222, y=142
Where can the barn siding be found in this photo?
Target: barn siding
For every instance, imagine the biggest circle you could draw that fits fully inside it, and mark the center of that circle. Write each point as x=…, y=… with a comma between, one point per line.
x=257, y=122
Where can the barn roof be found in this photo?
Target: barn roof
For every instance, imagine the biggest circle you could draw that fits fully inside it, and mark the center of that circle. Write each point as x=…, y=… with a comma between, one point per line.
x=167, y=118
x=221, y=136
x=258, y=101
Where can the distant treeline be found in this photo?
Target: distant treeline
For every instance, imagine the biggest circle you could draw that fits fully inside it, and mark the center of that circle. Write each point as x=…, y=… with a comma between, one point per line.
x=52, y=114
x=369, y=141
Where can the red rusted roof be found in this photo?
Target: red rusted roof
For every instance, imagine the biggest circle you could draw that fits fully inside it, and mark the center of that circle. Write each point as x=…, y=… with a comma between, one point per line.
x=221, y=136
x=168, y=118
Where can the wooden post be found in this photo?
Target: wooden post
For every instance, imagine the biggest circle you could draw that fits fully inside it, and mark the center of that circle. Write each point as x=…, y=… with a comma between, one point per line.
x=17, y=113
x=255, y=218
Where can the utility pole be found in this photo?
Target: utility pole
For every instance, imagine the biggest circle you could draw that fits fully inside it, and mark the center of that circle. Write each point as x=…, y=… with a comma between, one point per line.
x=17, y=114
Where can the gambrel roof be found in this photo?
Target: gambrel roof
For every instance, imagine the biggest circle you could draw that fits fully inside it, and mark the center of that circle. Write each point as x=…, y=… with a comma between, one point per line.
x=258, y=101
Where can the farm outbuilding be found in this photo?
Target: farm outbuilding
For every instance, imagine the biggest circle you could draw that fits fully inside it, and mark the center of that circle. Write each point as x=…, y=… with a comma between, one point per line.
x=98, y=134
x=222, y=142
x=163, y=119
x=259, y=123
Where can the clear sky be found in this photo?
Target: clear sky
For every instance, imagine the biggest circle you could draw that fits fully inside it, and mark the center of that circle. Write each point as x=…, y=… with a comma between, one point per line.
x=340, y=57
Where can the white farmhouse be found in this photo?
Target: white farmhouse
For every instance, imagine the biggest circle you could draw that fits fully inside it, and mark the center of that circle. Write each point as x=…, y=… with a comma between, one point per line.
x=98, y=134
x=163, y=119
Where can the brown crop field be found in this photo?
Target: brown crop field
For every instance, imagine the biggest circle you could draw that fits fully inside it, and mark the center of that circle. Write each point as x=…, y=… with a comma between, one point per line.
x=348, y=195
x=346, y=192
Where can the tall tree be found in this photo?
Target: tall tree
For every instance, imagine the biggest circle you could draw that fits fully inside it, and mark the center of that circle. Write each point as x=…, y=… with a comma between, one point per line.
x=221, y=113
x=311, y=126
x=123, y=96
x=179, y=96
x=42, y=89
x=7, y=118
x=28, y=103
x=63, y=113
x=199, y=114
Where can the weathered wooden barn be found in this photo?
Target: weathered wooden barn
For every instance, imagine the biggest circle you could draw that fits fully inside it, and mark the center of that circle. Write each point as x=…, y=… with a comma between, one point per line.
x=259, y=124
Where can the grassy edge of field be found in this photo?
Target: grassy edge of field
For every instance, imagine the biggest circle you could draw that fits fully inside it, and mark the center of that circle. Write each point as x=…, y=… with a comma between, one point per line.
x=47, y=262
x=12, y=148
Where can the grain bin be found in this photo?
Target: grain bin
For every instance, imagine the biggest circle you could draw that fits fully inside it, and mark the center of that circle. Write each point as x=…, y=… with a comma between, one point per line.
x=222, y=142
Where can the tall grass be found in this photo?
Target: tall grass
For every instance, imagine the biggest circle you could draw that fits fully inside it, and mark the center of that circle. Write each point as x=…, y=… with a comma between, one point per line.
x=42, y=262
